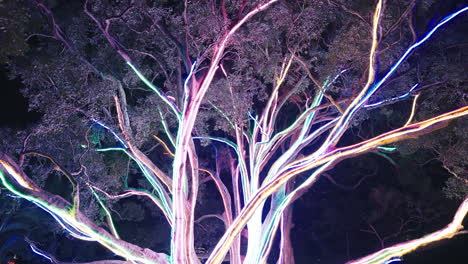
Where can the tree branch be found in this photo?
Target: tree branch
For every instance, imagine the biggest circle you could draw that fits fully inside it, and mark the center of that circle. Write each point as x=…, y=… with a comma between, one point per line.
x=16, y=181
x=327, y=159
x=401, y=249
x=135, y=151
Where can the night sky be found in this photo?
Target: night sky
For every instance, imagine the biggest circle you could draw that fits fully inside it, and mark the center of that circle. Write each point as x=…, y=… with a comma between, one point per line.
x=14, y=107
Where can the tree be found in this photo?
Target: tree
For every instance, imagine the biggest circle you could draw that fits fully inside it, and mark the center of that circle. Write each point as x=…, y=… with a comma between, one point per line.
x=254, y=97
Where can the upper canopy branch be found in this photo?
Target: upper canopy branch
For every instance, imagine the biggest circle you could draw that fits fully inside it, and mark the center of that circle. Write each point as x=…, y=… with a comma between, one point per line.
x=136, y=152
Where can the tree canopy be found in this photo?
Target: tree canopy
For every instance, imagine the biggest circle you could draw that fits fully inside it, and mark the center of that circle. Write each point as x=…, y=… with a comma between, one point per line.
x=134, y=96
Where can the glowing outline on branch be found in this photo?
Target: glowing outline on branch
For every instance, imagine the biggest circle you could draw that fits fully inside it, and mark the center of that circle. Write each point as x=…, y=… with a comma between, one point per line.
x=393, y=68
